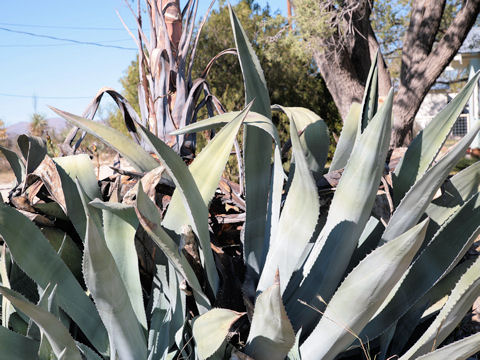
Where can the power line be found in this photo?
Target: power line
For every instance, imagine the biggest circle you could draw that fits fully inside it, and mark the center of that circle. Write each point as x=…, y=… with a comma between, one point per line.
x=54, y=45
x=67, y=40
x=65, y=27
x=47, y=97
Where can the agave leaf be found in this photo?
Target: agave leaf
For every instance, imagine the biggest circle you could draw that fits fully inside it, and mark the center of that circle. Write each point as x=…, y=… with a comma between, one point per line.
x=271, y=334
x=294, y=353
x=70, y=253
x=424, y=148
x=192, y=200
x=105, y=283
x=344, y=317
x=33, y=149
x=370, y=96
x=209, y=124
x=348, y=215
x=58, y=336
x=298, y=219
x=69, y=169
x=45, y=351
x=36, y=257
x=15, y=346
x=120, y=224
x=314, y=136
x=408, y=322
x=347, y=138
x=367, y=242
x=206, y=169
x=254, y=80
x=434, y=262
x=456, y=191
x=458, y=350
x=88, y=353
x=276, y=186
x=134, y=153
x=7, y=308
x=459, y=301
x=16, y=163
x=159, y=336
x=211, y=330
x=416, y=200
x=257, y=149
x=149, y=218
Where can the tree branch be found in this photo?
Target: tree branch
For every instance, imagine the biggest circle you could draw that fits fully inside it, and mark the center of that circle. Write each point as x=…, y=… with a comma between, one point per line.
x=449, y=44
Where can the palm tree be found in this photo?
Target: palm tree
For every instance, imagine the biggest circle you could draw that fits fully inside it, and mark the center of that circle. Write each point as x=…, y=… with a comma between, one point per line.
x=38, y=124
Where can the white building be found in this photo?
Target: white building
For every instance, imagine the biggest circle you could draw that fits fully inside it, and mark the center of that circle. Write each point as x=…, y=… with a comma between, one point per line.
x=467, y=61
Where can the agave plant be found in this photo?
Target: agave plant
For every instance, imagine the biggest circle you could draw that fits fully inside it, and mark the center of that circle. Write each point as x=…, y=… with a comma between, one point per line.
x=317, y=283
x=169, y=97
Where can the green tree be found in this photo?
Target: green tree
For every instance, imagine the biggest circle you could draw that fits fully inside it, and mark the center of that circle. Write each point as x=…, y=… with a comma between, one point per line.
x=291, y=77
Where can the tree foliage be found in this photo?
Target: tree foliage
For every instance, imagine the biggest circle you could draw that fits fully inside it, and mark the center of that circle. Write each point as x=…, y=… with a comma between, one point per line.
x=292, y=77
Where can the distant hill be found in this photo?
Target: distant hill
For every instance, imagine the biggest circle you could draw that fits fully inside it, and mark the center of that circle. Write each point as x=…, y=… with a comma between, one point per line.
x=23, y=127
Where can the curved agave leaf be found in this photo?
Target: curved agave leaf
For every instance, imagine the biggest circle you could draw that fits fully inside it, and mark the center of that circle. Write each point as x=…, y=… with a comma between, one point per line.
x=258, y=250
x=367, y=242
x=424, y=148
x=415, y=202
x=58, y=336
x=70, y=168
x=104, y=281
x=348, y=214
x=120, y=224
x=134, y=153
x=211, y=330
x=294, y=353
x=271, y=334
x=7, y=308
x=36, y=257
x=192, y=199
x=16, y=163
x=149, y=218
x=455, y=192
x=408, y=322
x=458, y=350
x=313, y=136
x=347, y=138
x=209, y=124
x=344, y=317
x=33, y=149
x=257, y=150
x=206, y=169
x=461, y=187
x=15, y=346
x=370, y=96
x=88, y=353
x=297, y=221
x=70, y=253
x=433, y=263
x=45, y=351
x=459, y=301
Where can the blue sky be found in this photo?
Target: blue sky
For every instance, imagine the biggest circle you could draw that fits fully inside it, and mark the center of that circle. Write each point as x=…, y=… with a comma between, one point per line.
x=61, y=74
